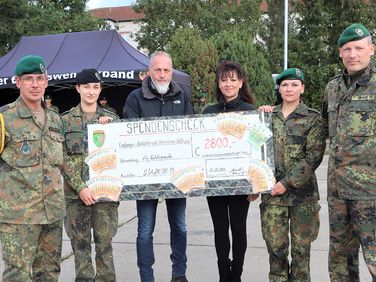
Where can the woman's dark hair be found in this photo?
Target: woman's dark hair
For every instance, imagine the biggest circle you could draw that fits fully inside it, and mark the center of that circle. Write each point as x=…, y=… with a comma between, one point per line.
x=228, y=69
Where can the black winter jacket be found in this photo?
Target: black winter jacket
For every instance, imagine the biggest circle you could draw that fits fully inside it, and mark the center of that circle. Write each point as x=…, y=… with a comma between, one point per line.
x=235, y=105
x=146, y=102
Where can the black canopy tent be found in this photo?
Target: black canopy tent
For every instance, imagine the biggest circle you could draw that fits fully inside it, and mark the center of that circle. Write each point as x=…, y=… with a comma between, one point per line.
x=121, y=65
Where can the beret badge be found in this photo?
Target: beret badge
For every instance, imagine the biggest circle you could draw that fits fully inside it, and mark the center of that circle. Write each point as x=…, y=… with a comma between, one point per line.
x=359, y=31
x=42, y=68
x=97, y=75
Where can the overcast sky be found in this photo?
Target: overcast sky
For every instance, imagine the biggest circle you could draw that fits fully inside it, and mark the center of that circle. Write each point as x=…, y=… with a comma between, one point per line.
x=92, y=4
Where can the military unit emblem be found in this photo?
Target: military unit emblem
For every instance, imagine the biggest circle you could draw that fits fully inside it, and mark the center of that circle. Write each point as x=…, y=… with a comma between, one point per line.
x=25, y=148
x=98, y=76
x=359, y=32
x=42, y=68
x=98, y=138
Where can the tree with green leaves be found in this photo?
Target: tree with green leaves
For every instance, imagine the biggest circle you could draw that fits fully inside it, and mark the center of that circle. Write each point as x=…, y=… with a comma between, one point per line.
x=272, y=34
x=315, y=45
x=58, y=16
x=198, y=57
x=11, y=12
x=239, y=46
x=195, y=31
x=39, y=17
x=314, y=28
x=164, y=17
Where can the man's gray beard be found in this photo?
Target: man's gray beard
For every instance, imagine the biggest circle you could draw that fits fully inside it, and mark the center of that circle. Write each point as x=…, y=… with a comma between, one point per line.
x=161, y=88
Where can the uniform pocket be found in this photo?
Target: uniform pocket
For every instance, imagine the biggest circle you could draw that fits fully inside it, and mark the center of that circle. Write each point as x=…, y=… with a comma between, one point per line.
x=315, y=221
x=26, y=149
x=297, y=134
x=74, y=141
x=361, y=119
x=55, y=149
x=296, y=142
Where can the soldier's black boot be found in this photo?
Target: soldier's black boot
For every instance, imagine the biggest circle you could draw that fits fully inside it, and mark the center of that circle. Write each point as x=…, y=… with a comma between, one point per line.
x=224, y=269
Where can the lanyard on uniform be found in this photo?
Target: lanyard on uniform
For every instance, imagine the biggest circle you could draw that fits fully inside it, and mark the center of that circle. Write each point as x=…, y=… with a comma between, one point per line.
x=2, y=132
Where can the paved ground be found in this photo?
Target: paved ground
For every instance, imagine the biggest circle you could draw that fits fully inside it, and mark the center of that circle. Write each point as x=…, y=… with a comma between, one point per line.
x=201, y=254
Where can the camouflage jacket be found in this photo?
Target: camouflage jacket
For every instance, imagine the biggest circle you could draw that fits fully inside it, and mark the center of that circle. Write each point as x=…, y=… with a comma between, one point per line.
x=75, y=149
x=349, y=117
x=108, y=108
x=55, y=108
x=298, y=150
x=31, y=186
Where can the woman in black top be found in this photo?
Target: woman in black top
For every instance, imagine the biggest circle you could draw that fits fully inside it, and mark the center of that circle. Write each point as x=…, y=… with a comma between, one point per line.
x=233, y=95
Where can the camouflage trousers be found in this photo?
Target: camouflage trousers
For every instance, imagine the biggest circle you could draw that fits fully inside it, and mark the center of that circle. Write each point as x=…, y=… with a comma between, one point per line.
x=102, y=217
x=302, y=223
x=351, y=223
x=31, y=251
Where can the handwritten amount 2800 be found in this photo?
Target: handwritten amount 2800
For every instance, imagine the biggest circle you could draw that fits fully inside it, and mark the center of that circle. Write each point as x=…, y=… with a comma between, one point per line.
x=214, y=143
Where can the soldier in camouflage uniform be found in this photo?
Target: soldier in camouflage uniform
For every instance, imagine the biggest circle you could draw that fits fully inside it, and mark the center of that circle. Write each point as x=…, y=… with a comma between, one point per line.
x=103, y=103
x=32, y=198
x=48, y=101
x=349, y=112
x=201, y=103
x=292, y=207
x=83, y=213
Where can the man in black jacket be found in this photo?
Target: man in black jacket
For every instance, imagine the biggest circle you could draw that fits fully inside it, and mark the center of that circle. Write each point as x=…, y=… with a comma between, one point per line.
x=160, y=96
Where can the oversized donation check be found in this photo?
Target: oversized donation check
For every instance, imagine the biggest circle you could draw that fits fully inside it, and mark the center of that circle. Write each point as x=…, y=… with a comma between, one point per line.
x=175, y=157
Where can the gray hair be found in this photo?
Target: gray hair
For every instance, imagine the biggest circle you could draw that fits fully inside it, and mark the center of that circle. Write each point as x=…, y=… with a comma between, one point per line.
x=369, y=37
x=160, y=53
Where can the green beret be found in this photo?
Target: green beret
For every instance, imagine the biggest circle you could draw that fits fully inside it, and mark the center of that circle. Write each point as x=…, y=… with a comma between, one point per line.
x=30, y=64
x=88, y=76
x=291, y=73
x=353, y=33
